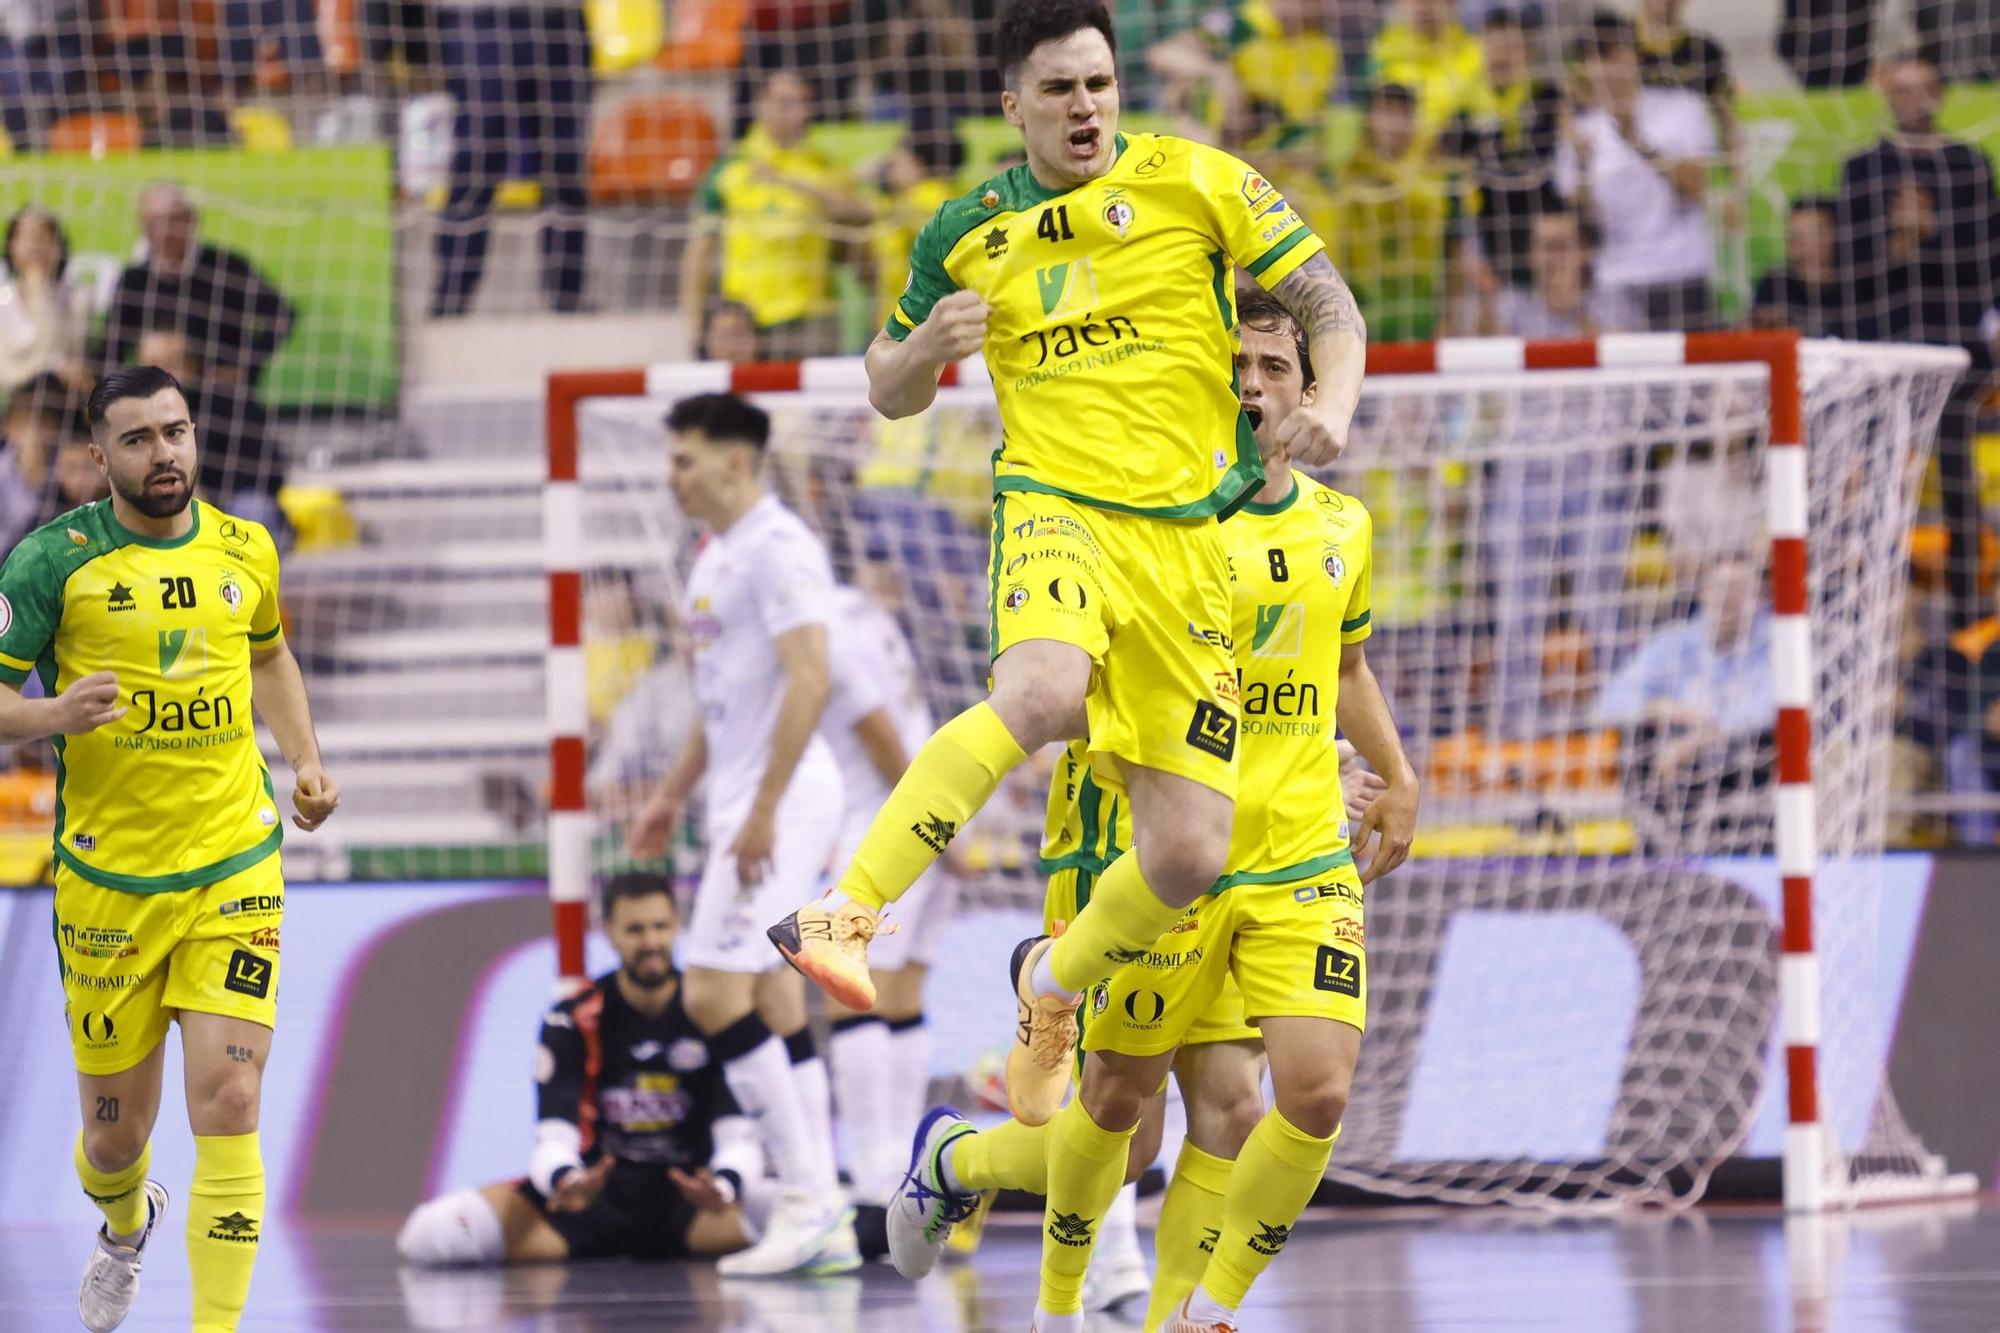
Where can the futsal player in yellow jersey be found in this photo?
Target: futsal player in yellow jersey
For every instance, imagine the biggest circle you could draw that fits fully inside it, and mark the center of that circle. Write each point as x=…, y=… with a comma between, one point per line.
x=151, y=621
x=1098, y=280
x=1285, y=921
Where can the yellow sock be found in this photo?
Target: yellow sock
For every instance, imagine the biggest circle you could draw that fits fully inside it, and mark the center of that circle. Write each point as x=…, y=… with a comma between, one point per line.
x=948, y=780
x=1086, y=1169
x=1187, y=1232
x=1123, y=917
x=116, y=1193
x=1010, y=1156
x=1273, y=1180
x=225, y=1219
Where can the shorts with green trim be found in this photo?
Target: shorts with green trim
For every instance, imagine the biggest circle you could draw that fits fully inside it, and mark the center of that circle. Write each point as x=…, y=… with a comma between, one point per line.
x=1221, y=1020
x=1289, y=949
x=1148, y=599
x=131, y=961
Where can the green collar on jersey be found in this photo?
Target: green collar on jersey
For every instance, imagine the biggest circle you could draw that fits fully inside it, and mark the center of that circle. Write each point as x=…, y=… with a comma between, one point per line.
x=1276, y=506
x=1028, y=191
x=158, y=543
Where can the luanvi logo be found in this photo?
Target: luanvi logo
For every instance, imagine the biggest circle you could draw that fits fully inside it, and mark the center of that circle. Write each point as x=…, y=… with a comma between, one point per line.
x=934, y=832
x=1071, y=1229
x=1269, y=1239
x=234, y=1227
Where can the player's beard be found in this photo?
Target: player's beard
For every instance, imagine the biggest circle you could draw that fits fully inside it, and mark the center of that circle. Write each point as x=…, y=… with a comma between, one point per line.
x=650, y=970
x=158, y=504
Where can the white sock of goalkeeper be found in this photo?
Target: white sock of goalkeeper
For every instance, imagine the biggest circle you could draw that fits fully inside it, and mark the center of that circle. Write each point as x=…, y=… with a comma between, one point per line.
x=910, y=1083
x=815, y=1093
x=759, y=1075
x=863, y=1092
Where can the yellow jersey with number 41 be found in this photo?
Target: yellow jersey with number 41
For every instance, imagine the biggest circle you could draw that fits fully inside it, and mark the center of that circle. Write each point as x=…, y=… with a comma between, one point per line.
x=1301, y=582
x=1112, y=337
x=174, y=794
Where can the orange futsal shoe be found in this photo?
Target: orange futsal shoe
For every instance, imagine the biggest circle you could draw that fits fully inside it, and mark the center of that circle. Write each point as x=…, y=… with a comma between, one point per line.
x=830, y=949
x=1038, y=1063
x=1182, y=1322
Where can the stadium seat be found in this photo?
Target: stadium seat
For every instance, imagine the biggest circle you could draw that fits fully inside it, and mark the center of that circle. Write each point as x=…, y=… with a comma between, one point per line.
x=1929, y=544
x=651, y=149
x=319, y=517
x=1474, y=763
x=703, y=35
x=96, y=134
x=260, y=129
x=850, y=143
x=623, y=33
x=339, y=36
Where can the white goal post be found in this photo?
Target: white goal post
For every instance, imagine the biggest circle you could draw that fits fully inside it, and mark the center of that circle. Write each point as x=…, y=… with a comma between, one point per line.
x=1612, y=441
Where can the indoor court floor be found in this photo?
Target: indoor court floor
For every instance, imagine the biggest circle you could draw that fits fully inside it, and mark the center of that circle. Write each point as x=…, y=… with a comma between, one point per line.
x=1925, y=1268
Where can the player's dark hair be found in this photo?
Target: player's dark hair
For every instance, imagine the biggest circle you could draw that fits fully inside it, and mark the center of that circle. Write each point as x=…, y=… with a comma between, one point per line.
x=632, y=884
x=1029, y=23
x=723, y=417
x=1258, y=309
x=1394, y=94
x=1813, y=203
x=45, y=395
x=1607, y=33
x=735, y=310
x=128, y=382
x=55, y=225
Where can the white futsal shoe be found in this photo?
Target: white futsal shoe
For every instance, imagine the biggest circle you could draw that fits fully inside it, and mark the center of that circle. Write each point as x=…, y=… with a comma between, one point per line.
x=1112, y=1280
x=808, y=1234
x=1117, y=1271
x=111, y=1278
x=924, y=1211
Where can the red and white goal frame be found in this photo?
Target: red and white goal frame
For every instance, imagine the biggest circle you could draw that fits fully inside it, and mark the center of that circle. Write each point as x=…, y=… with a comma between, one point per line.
x=1806, y=1161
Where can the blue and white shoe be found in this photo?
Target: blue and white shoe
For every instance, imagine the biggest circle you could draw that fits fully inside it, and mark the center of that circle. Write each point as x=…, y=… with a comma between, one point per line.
x=924, y=1211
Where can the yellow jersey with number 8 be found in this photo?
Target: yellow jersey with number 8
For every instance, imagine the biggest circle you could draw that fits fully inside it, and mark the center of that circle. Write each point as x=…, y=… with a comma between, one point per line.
x=1112, y=339
x=1300, y=583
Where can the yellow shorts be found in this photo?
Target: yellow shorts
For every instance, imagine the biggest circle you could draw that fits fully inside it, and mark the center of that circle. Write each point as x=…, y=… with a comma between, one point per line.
x=131, y=961
x=1292, y=949
x=1149, y=600
x=1222, y=1020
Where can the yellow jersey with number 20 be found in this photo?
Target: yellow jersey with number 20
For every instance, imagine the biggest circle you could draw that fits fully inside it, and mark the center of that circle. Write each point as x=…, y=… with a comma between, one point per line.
x=1112, y=339
x=174, y=794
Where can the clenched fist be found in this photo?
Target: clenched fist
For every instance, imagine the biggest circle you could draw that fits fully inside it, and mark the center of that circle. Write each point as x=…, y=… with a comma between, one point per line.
x=1314, y=434
x=88, y=704
x=956, y=327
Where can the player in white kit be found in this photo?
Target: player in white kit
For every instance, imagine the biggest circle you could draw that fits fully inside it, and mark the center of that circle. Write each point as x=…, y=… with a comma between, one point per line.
x=875, y=720
x=758, y=601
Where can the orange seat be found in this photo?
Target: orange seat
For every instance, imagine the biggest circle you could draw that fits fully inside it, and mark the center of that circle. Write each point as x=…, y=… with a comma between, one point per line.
x=339, y=37
x=27, y=798
x=1471, y=764
x=650, y=149
x=96, y=134
x=703, y=35
x=1930, y=543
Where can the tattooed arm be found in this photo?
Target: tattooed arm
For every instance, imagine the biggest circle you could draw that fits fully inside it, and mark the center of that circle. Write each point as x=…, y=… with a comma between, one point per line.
x=1320, y=301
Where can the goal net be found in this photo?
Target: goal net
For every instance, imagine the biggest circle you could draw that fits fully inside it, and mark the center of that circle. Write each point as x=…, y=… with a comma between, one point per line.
x=1607, y=958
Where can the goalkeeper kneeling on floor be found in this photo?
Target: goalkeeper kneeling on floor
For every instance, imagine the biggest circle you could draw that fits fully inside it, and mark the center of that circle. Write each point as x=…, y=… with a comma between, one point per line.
x=640, y=1151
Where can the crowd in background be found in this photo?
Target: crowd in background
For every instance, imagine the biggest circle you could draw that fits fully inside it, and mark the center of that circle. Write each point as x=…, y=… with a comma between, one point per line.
x=1478, y=167
x=198, y=311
